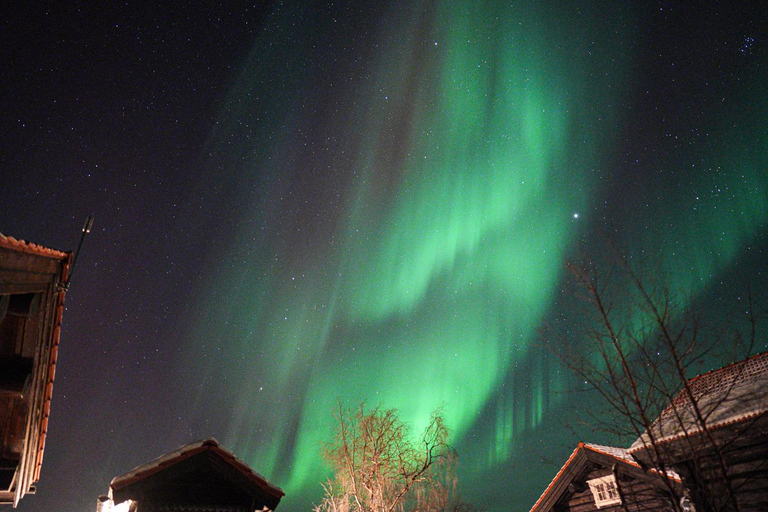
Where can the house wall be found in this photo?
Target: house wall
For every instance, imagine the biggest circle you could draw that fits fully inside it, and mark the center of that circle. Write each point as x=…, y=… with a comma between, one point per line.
x=744, y=446
x=31, y=306
x=639, y=496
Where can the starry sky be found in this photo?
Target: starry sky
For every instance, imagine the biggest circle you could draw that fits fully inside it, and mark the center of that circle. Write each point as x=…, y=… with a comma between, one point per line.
x=301, y=203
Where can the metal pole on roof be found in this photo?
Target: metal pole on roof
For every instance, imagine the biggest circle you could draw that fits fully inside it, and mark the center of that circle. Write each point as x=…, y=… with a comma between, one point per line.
x=86, y=229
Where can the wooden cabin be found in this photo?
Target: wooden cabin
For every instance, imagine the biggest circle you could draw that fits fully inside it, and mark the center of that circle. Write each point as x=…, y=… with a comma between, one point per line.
x=197, y=477
x=608, y=479
x=724, y=426
x=32, y=291
x=733, y=404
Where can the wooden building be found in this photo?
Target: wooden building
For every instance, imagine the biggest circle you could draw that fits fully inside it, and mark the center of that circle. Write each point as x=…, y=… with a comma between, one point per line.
x=198, y=477
x=31, y=307
x=714, y=438
x=607, y=478
x=728, y=435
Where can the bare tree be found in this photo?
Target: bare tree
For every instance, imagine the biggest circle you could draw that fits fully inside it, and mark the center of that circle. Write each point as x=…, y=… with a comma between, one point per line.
x=643, y=343
x=378, y=467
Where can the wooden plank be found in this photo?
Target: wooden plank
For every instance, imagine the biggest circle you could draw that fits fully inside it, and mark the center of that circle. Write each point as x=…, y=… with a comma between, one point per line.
x=25, y=283
x=14, y=260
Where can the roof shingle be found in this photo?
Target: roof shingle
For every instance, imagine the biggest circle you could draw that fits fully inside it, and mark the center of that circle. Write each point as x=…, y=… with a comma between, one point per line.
x=732, y=394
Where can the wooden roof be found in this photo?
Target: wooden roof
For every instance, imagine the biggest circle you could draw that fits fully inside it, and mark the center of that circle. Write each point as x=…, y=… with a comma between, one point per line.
x=185, y=452
x=14, y=244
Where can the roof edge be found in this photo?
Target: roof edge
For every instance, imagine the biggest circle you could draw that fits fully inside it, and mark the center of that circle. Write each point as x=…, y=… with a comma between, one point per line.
x=715, y=426
x=9, y=242
x=186, y=451
x=52, y=362
x=579, y=448
x=726, y=367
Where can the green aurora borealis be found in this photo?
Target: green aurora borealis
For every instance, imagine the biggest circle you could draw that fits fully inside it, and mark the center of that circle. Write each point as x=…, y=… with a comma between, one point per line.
x=407, y=184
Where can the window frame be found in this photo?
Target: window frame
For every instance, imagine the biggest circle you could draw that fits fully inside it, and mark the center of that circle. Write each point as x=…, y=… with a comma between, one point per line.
x=605, y=491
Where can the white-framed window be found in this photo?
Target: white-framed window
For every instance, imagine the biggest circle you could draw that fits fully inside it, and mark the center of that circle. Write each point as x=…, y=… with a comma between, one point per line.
x=604, y=490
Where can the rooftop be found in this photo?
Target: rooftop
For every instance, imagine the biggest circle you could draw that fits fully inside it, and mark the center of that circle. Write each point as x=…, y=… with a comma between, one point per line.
x=186, y=451
x=8, y=242
x=732, y=394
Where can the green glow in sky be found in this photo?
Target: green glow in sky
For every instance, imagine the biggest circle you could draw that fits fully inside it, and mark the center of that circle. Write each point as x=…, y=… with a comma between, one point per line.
x=409, y=228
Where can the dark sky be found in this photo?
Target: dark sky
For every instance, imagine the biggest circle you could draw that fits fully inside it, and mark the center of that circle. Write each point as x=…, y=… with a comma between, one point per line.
x=297, y=204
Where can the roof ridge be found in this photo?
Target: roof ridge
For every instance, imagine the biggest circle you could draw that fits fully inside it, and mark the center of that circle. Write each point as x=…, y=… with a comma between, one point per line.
x=726, y=367
x=605, y=446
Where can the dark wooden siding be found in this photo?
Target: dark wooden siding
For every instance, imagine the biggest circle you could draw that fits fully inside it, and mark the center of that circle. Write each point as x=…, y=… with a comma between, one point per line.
x=638, y=495
x=744, y=446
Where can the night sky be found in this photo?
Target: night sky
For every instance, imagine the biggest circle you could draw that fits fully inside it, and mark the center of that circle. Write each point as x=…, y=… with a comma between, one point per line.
x=297, y=205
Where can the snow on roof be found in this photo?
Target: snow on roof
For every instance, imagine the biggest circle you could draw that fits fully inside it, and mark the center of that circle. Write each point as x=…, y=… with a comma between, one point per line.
x=613, y=451
x=732, y=394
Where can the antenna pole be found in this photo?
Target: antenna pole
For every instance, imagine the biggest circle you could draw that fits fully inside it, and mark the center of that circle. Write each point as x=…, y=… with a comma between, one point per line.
x=86, y=229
